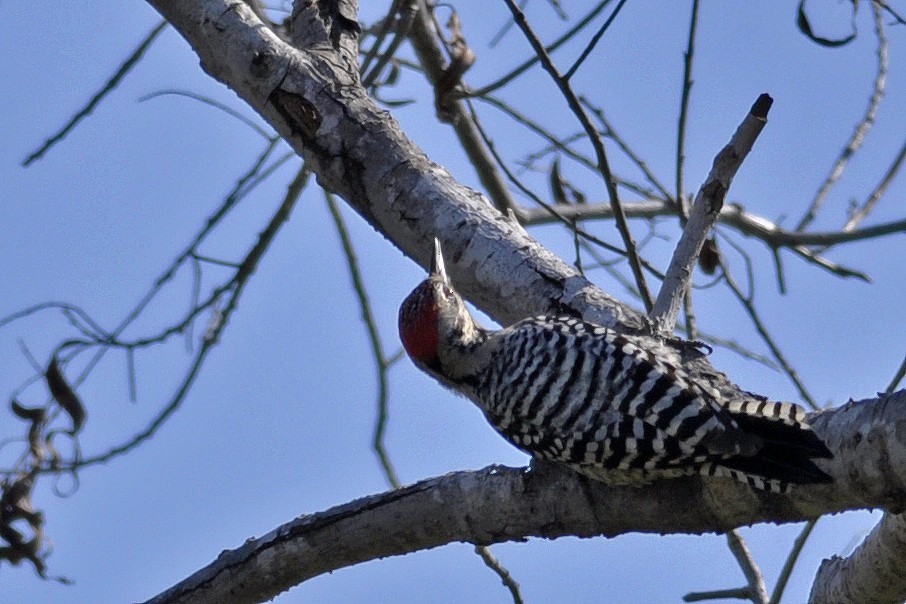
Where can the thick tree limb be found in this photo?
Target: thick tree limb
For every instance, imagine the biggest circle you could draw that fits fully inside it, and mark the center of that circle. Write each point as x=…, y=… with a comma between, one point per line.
x=313, y=98
x=873, y=574
x=505, y=504
x=358, y=151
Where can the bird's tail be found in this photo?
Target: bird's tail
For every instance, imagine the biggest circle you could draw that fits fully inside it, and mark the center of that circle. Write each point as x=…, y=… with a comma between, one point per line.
x=788, y=447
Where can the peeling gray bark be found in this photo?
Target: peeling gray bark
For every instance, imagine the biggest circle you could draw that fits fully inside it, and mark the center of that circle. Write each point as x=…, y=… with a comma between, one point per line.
x=500, y=504
x=357, y=150
x=314, y=100
x=873, y=574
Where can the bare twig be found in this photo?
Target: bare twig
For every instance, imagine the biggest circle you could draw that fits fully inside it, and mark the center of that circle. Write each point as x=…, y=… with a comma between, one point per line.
x=101, y=341
x=108, y=87
x=736, y=347
x=555, y=212
x=603, y=165
x=386, y=24
x=708, y=202
x=244, y=184
x=555, y=142
x=732, y=215
x=897, y=17
x=758, y=592
x=831, y=267
x=748, y=304
x=374, y=338
x=736, y=217
x=594, y=41
x=505, y=28
x=70, y=311
x=563, y=144
x=211, y=102
x=525, y=66
x=861, y=213
x=484, y=552
x=897, y=378
x=684, y=111
x=862, y=128
x=790, y=563
x=406, y=9
x=623, y=145
x=210, y=339
x=737, y=593
x=255, y=176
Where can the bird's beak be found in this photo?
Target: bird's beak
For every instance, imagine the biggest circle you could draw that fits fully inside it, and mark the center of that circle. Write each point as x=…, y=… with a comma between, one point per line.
x=437, y=263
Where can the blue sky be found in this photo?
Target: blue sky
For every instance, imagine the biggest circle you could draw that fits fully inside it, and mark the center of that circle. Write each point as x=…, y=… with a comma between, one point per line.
x=279, y=423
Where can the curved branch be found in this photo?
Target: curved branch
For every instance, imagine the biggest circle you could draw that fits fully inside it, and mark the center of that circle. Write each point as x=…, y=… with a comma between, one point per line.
x=109, y=86
x=860, y=131
x=500, y=504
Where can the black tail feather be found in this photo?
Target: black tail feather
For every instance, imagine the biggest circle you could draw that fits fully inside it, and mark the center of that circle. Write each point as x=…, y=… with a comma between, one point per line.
x=768, y=465
x=790, y=436
x=787, y=452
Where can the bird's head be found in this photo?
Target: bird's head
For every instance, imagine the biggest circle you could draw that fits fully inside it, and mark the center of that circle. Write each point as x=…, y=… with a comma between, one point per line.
x=434, y=322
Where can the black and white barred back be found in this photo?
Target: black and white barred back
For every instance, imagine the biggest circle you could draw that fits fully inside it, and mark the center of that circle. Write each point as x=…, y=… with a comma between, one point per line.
x=569, y=391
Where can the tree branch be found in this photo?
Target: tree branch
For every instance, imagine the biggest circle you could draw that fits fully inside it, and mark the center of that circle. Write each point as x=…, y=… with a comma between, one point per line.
x=430, y=55
x=109, y=86
x=707, y=206
x=500, y=504
x=862, y=212
x=736, y=217
x=597, y=144
x=875, y=567
x=688, y=58
x=860, y=131
x=873, y=574
x=357, y=151
x=758, y=592
x=791, y=560
x=361, y=154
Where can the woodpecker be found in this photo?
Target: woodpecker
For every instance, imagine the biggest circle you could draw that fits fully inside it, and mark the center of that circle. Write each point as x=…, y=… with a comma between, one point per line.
x=566, y=390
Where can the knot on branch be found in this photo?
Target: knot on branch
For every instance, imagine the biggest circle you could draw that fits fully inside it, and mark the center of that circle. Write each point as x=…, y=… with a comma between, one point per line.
x=301, y=116
x=323, y=24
